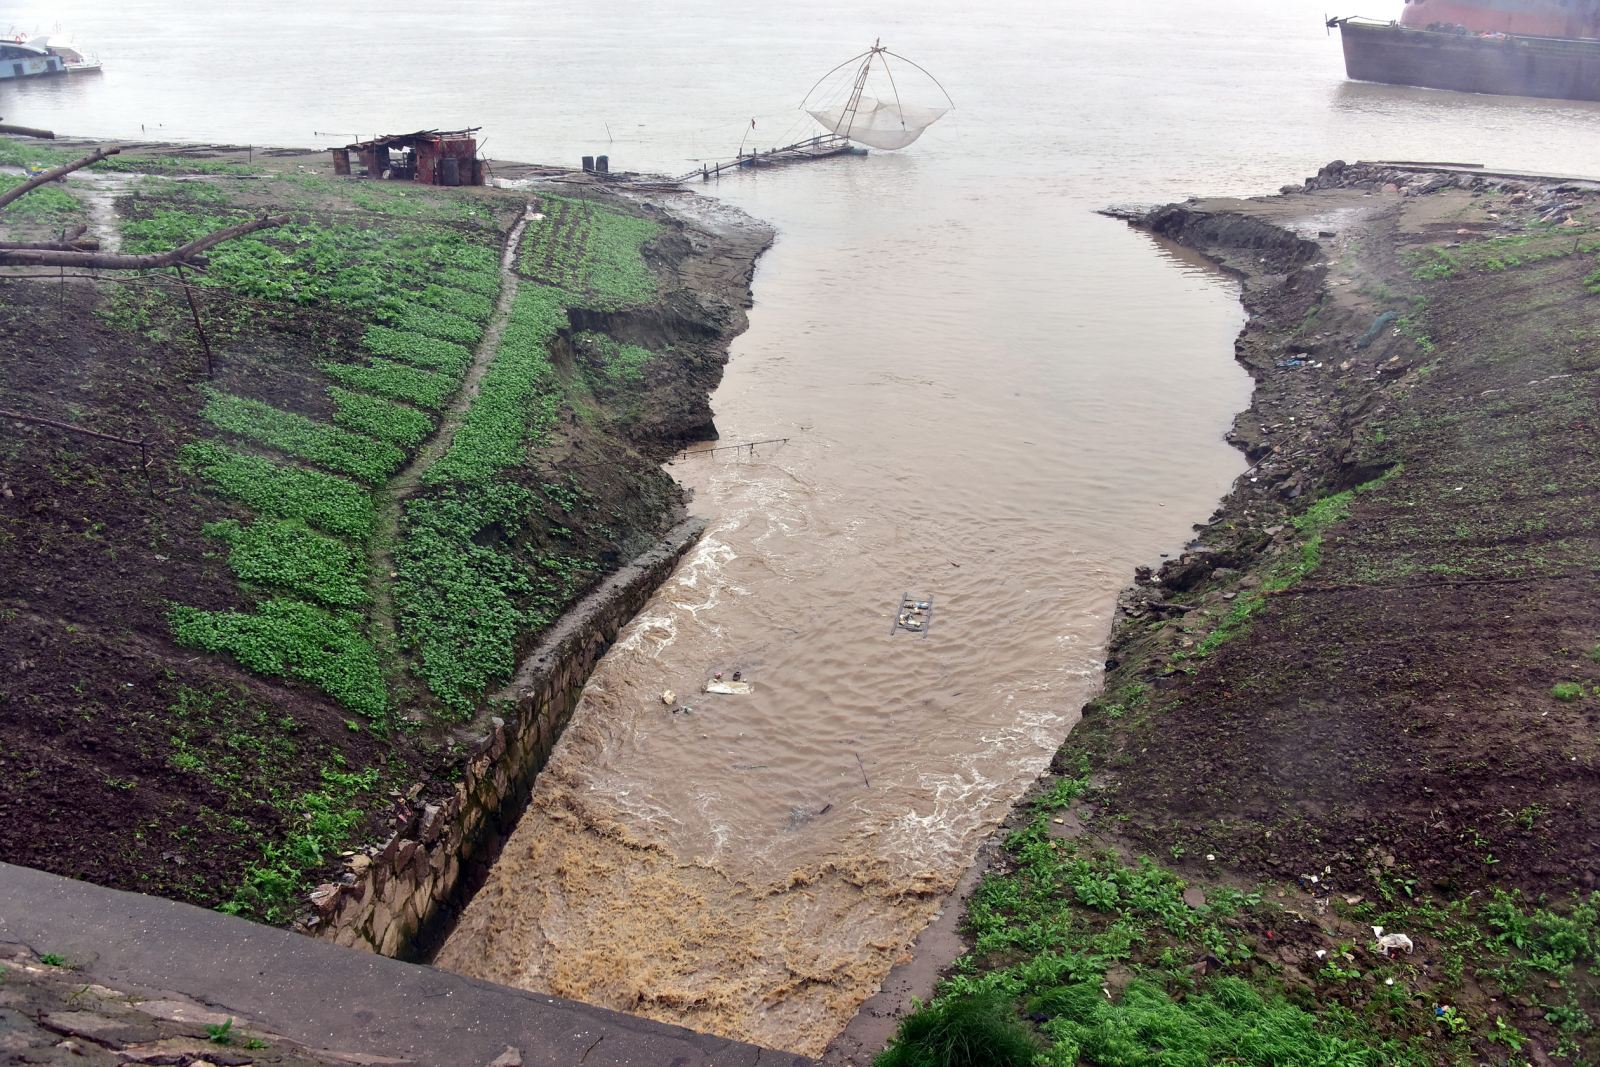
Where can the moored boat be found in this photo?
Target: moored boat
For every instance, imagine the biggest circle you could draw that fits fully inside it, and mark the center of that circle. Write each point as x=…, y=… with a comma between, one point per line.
x=1543, y=48
x=32, y=57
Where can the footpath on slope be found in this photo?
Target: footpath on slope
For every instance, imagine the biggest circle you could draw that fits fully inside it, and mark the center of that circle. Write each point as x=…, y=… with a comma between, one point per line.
x=1363, y=703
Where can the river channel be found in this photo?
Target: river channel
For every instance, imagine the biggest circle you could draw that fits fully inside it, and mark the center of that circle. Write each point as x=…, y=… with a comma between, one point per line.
x=992, y=398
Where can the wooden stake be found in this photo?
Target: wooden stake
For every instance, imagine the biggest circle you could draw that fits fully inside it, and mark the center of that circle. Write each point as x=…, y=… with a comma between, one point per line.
x=200, y=331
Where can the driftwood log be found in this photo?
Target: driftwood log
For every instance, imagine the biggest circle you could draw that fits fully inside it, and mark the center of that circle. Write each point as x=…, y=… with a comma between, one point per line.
x=27, y=131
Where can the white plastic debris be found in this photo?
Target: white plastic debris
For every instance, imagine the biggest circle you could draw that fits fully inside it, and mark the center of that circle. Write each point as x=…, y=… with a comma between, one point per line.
x=668, y=697
x=1388, y=943
x=728, y=688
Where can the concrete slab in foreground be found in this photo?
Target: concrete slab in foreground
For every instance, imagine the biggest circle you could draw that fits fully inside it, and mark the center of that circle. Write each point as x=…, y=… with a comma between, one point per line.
x=328, y=997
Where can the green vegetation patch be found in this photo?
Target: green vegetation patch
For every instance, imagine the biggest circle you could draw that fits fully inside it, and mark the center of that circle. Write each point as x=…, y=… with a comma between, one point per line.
x=1543, y=241
x=322, y=500
x=323, y=822
x=286, y=554
x=1291, y=569
x=431, y=322
x=610, y=364
x=1049, y=931
x=377, y=417
x=396, y=381
x=591, y=252
x=430, y=352
x=458, y=590
x=470, y=306
x=338, y=450
x=46, y=204
x=463, y=596
x=287, y=638
x=483, y=282
x=517, y=397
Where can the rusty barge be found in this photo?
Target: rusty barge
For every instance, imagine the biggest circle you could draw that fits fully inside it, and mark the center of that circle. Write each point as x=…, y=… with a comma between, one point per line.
x=1540, y=48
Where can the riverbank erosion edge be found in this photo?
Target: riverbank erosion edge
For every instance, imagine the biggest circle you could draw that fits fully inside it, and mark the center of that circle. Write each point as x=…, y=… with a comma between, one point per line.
x=1337, y=801
x=310, y=547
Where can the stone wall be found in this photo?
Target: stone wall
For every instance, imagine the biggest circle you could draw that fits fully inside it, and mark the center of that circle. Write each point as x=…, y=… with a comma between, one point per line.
x=397, y=899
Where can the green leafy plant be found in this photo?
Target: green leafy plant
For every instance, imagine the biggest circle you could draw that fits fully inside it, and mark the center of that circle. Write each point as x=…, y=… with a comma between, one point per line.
x=322, y=500
x=361, y=457
x=292, y=639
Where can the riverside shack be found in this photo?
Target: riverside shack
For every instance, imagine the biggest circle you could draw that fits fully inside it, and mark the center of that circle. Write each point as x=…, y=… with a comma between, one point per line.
x=434, y=157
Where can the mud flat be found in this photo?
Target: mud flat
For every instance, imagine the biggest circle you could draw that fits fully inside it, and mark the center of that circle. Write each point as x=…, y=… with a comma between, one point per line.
x=1366, y=696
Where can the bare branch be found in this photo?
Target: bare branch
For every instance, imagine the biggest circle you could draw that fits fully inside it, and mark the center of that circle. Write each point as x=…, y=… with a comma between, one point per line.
x=76, y=244
x=57, y=172
x=28, y=257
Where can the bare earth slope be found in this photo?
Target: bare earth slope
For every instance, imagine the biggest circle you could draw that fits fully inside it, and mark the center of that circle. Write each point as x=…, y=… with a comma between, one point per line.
x=1367, y=694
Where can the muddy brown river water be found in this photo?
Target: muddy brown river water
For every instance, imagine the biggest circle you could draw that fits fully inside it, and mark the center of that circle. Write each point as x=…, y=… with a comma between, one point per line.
x=993, y=397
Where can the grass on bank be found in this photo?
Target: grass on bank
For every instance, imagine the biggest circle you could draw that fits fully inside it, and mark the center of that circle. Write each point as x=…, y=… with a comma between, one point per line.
x=1097, y=959
x=1289, y=570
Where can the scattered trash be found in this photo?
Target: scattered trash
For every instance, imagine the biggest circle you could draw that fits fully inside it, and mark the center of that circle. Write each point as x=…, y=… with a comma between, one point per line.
x=1376, y=328
x=915, y=615
x=728, y=689
x=1322, y=953
x=668, y=697
x=1390, y=942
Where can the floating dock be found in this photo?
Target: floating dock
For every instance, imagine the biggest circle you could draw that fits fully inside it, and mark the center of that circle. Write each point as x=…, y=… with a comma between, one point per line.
x=824, y=146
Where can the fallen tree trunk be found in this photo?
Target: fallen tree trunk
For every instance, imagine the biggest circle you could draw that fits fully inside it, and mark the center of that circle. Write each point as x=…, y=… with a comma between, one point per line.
x=28, y=131
x=56, y=172
x=47, y=257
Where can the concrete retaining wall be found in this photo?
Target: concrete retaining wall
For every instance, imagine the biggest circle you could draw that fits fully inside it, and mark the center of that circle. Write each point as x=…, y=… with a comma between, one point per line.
x=397, y=899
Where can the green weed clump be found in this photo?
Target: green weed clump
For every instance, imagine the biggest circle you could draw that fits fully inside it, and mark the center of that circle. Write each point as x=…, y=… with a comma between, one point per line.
x=287, y=638
x=395, y=381
x=383, y=419
x=286, y=554
x=1567, y=691
x=967, y=1031
x=323, y=500
x=361, y=457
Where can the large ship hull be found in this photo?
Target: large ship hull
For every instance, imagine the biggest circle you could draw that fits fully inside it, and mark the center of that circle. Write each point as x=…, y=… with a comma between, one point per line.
x=1525, y=18
x=1506, y=65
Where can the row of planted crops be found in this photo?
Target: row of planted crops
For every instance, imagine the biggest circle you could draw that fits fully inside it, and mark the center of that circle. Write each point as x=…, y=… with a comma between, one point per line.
x=437, y=617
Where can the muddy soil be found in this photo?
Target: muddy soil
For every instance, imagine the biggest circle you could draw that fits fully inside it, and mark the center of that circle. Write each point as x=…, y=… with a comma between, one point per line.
x=132, y=762
x=1404, y=706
